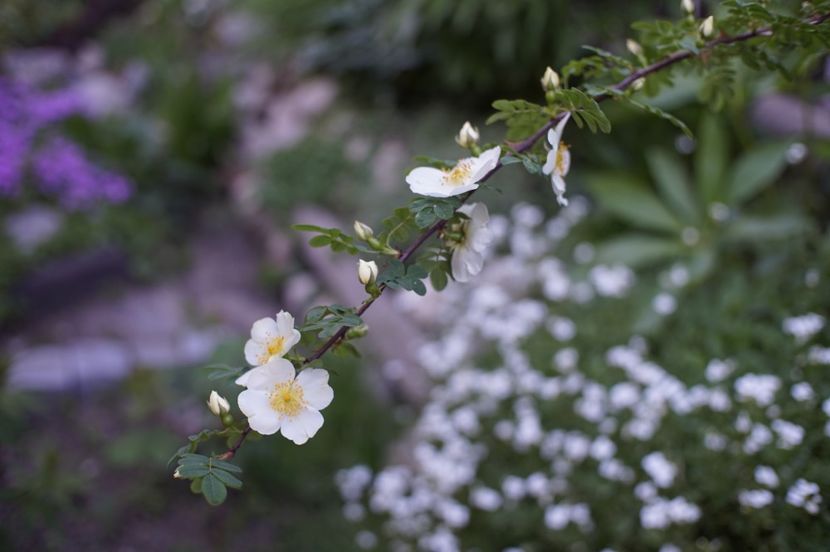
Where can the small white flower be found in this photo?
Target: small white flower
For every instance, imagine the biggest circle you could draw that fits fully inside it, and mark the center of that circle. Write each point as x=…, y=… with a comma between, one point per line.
x=756, y=498
x=634, y=47
x=468, y=254
x=276, y=400
x=464, y=177
x=367, y=272
x=558, y=162
x=270, y=338
x=765, y=475
x=804, y=494
x=688, y=6
x=218, y=404
x=550, y=80
x=467, y=136
x=707, y=28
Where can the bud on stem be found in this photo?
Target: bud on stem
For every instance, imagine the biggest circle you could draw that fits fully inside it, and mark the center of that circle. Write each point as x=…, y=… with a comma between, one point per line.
x=367, y=272
x=707, y=28
x=550, y=80
x=218, y=404
x=468, y=136
x=363, y=231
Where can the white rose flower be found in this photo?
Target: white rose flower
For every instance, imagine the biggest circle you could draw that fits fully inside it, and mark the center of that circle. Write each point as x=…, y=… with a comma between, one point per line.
x=464, y=177
x=276, y=400
x=270, y=338
x=558, y=162
x=468, y=254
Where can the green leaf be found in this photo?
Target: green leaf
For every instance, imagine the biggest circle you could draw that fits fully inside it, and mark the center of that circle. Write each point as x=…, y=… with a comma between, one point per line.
x=632, y=202
x=710, y=159
x=227, y=466
x=196, y=486
x=319, y=241
x=438, y=279
x=755, y=170
x=214, y=490
x=773, y=227
x=673, y=183
x=221, y=371
x=638, y=250
x=189, y=471
x=228, y=479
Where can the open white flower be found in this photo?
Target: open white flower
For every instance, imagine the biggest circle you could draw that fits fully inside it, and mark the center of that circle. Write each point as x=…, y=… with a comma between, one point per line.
x=276, y=400
x=559, y=160
x=468, y=253
x=270, y=338
x=462, y=178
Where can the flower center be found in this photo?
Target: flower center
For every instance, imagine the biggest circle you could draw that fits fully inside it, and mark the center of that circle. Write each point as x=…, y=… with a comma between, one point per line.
x=561, y=168
x=456, y=235
x=275, y=346
x=287, y=399
x=459, y=174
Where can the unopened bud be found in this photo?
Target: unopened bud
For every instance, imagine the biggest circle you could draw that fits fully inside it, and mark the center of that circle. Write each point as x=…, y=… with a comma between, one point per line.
x=550, y=80
x=357, y=332
x=363, y=231
x=639, y=83
x=688, y=6
x=707, y=28
x=467, y=136
x=218, y=404
x=634, y=47
x=367, y=272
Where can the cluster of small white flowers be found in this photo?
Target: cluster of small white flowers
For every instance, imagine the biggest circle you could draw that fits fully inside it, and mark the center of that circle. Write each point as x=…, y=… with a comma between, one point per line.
x=804, y=494
x=471, y=411
x=802, y=328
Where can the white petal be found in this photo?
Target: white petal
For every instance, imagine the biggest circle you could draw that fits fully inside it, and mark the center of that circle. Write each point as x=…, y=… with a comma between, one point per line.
x=303, y=426
x=285, y=323
x=292, y=339
x=550, y=162
x=474, y=262
x=243, y=379
x=479, y=239
x=256, y=354
x=485, y=163
x=264, y=330
x=317, y=392
x=566, y=161
x=425, y=179
x=261, y=417
x=277, y=370
x=458, y=264
x=555, y=134
x=558, y=184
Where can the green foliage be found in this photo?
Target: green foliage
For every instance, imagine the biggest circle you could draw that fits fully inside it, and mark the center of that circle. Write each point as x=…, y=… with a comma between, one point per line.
x=698, y=224
x=209, y=476
x=333, y=238
x=397, y=275
x=325, y=321
x=429, y=210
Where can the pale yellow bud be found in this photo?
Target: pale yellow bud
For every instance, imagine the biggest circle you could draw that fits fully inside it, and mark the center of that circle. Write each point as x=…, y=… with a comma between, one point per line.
x=363, y=231
x=467, y=136
x=707, y=28
x=550, y=80
x=688, y=6
x=639, y=83
x=218, y=404
x=367, y=272
x=634, y=47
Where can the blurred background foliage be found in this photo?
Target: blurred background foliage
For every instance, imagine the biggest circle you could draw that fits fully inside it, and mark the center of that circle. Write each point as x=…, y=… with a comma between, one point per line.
x=199, y=131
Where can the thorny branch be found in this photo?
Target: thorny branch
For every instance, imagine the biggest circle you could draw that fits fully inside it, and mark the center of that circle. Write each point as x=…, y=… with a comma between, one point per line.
x=521, y=147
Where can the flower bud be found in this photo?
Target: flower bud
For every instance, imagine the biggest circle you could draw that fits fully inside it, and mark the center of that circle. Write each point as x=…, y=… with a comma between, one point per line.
x=467, y=136
x=639, y=83
x=363, y=231
x=688, y=6
x=367, y=272
x=634, y=47
x=218, y=404
x=550, y=80
x=707, y=28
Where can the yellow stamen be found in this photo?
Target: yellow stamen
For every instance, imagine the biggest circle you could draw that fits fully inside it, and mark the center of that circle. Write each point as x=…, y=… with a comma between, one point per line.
x=560, y=158
x=275, y=346
x=287, y=398
x=459, y=174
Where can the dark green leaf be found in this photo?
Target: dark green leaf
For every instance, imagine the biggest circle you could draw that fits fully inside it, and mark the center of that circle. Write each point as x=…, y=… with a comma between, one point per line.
x=214, y=490
x=632, y=202
x=755, y=170
x=228, y=479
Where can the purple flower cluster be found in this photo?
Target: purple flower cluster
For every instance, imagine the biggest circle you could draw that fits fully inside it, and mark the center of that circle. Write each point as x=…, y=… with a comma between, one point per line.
x=59, y=166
